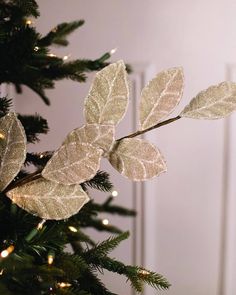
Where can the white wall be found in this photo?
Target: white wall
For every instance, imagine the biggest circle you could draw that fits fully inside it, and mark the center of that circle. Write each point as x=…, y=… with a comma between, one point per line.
x=183, y=207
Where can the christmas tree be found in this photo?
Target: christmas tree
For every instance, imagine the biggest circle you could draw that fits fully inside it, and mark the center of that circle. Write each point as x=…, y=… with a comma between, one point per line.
x=48, y=209
x=34, y=259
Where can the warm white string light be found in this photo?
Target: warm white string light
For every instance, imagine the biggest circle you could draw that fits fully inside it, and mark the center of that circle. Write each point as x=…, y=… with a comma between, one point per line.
x=50, y=259
x=113, y=51
x=7, y=251
x=73, y=229
x=144, y=272
x=66, y=57
x=64, y=285
x=2, y=135
x=40, y=225
x=105, y=221
x=114, y=193
x=51, y=55
x=28, y=22
x=51, y=256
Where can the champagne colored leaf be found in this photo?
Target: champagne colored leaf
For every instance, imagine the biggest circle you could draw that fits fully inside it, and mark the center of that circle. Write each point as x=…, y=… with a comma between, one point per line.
x=49, y=200
x=107, y=100
x=216, y=102
x=160, y=97
x=100, y=136
x=12, y=148
x=73, y=163
x=137, y=159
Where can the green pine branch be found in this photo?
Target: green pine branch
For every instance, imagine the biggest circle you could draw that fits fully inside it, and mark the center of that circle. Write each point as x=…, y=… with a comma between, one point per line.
x=39, y=160
x=25, y=57
x=5, y=105
x=58, y=34
x=98, y=225
x=103, y=248
x=34, y=125
x=74, y=237
x=72, y=265
x=101, y=181
x=90, y=283
x=27, y=7
x=137, y=275
x=18, y=9
x=108, y=207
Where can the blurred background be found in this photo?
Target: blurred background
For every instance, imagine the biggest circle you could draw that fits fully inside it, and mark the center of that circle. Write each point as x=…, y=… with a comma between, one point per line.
x=186, y=218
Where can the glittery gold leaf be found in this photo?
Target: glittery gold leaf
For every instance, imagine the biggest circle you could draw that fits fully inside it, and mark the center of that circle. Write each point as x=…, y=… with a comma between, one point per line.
x=49, y=200
x=107, y=100
x=100, y=136
x=73, y=163
x=12, y=148
x=213, y=103
x=160, y=97
x=137, y=159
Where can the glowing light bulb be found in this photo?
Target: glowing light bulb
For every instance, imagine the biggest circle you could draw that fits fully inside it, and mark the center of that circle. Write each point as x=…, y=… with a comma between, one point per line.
x=40, y=225
x=50, y=259
x=29, y=22
x=66, y=57
x=52, y=55
x=105, y=221
x=113, y=51
x=144, y=272
x=2, y=135
x=1, y=272
x=4, y=253
x=8, y=251
x=73, y=229
x=36, y=48
x=64, y=285
x=114, y=193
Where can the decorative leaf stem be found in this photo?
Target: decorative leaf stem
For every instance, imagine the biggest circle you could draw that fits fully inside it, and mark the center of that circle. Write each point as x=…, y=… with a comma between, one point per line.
x=140, y=132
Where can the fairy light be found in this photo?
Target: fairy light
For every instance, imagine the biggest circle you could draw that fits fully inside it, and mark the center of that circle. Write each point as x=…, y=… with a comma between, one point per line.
x=144, y=272
x=28, y=22
x=7, y=251
x=73, y=229
x=40, y=225
x=36, y=48
x=1, y=272
x=2, y=135
x=114, y=193
x=66, y=57
x=35, y=230
x=51, y=256
x=51, y=55
x=50, y=259
x=105, y=221
x=113, y=51
x=64, y=285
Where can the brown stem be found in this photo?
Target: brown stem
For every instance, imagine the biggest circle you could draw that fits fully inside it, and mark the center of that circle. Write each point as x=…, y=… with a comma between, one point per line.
x=28, y=178
x=150, y=128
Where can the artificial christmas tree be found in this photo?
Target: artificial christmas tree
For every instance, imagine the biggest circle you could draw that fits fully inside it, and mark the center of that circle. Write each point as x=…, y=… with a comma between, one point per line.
x=33, y=256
